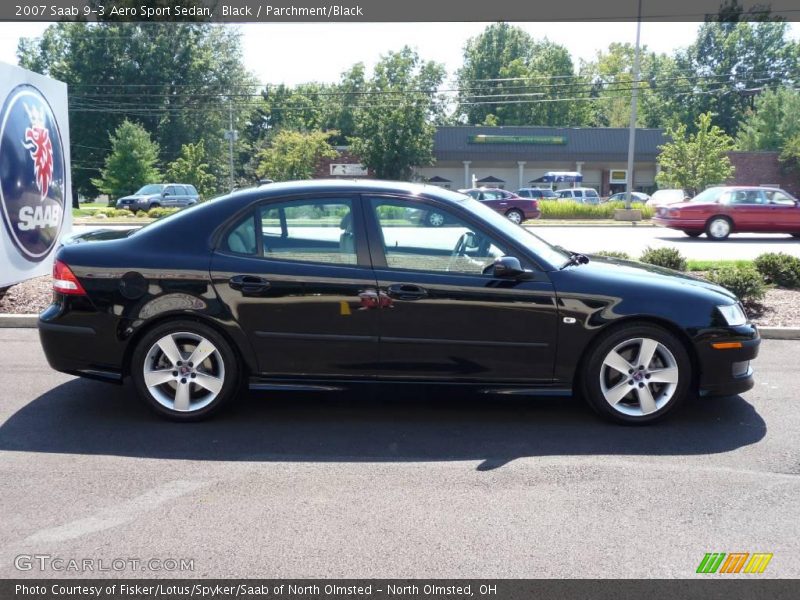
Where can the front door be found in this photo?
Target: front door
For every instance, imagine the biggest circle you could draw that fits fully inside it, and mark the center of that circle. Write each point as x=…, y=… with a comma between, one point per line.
x=297, y=278
x=442, y=317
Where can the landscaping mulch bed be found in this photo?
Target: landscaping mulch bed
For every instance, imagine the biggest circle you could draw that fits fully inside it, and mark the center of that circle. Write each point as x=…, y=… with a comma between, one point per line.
x=781, y=308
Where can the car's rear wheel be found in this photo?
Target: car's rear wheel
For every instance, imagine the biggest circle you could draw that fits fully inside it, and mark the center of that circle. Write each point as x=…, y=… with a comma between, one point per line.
x=693, y=234
x=185, y=370
x=435, y=219
x=637, y=374
x=718, y=228
x=515, y=216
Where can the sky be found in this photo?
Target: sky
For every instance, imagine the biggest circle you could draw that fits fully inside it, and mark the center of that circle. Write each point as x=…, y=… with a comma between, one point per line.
x=297, y=53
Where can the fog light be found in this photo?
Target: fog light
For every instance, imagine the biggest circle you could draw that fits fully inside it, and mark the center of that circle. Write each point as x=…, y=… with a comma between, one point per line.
x=740, y=369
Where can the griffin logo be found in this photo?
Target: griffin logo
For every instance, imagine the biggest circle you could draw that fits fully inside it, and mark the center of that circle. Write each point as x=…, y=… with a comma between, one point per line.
x=37, y=142
x=32, y=173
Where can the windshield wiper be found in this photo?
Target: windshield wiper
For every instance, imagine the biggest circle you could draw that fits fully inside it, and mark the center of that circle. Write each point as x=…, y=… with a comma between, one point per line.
x=575, y=258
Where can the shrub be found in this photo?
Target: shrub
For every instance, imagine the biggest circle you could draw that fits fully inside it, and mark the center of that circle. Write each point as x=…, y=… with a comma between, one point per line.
x=569, y=209
x=671, y=258
x=112, y=212
x=779, y=268
x=745, y=282
x=158, y=212
x=613, y=254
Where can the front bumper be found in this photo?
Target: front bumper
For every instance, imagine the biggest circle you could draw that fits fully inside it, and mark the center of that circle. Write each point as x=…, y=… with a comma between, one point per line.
x=684, y=224
x=727, y=371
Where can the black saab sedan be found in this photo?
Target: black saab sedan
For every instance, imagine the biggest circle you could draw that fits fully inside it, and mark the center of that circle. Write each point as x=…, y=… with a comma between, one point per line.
x=320, y=284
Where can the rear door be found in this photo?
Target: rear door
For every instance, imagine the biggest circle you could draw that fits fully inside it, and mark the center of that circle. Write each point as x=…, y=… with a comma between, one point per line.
x=296, y=275
x=750, y=210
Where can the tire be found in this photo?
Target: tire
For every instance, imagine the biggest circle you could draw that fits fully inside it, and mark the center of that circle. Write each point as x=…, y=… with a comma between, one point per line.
x=643, y=401
x=175, y=381
x=796, y=235
x=718, y=228
x=693, y=234
x=153, y=205
x=515, y=216
x=434, y=219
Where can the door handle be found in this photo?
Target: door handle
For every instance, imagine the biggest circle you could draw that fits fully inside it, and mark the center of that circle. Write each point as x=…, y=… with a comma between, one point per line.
x=249, y=285
x=406, y=291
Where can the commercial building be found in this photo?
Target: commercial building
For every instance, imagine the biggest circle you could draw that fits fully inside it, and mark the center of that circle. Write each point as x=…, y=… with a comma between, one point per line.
x=515, y=157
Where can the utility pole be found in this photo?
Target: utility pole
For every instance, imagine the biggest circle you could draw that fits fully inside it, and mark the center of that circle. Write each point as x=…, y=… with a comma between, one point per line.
x=634, y=98
x=231, y=135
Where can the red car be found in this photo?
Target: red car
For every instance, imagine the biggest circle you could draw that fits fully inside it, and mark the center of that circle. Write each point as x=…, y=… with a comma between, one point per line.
x=506, y=203
x=720, y=211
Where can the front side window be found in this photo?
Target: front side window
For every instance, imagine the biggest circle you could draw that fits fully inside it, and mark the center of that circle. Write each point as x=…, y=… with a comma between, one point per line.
x=408, y=243
x=308, y=230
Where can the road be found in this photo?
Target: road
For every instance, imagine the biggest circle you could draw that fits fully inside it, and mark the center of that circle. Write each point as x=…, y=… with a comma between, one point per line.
x=634, y=240
x=394, y=483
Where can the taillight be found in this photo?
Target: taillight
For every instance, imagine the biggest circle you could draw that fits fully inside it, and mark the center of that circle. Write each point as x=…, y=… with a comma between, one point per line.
x=64, y=280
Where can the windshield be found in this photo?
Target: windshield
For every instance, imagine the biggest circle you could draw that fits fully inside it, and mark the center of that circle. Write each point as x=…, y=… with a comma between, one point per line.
x=153, y=188
x=544, y=250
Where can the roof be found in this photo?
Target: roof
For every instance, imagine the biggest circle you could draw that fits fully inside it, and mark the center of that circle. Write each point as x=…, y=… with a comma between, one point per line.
x=544, y=143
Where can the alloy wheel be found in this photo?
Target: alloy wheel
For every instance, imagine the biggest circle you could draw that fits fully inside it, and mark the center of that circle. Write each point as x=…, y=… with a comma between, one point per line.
x=184, y=372
x=436, y=219
x=639, y=376
x=514, y=216
x=719, y=229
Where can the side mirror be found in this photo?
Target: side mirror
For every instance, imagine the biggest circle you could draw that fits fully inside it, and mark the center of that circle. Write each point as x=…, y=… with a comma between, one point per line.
x=164, y=194
x=509, y=267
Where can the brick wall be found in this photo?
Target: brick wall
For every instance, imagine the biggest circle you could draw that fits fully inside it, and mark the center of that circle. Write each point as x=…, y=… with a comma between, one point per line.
x=323, y=168
x=759, y=168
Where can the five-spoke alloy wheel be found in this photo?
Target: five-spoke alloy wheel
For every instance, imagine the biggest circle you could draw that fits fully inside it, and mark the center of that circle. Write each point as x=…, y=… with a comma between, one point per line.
x=184, y=370
x=637, y=374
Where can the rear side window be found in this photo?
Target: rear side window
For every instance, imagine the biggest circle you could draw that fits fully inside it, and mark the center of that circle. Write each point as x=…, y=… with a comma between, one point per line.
x=308, y=230
x=591, y=194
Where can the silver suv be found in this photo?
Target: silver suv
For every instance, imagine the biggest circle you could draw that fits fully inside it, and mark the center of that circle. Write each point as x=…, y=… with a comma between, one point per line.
x=154, y=195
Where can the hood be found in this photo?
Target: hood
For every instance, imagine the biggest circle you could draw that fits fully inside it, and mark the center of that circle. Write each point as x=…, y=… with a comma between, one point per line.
x=139, y=197
x=619, y=271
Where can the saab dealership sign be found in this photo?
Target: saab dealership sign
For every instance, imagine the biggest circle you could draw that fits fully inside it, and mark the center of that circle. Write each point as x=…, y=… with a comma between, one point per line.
x=35, y=198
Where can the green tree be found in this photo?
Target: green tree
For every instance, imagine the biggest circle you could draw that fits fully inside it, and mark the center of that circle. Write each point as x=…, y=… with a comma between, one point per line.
x=394, y=129
x=294, y=154
x=610, y=75
x=693, y=161
x=508, y=78
x=180, y=81
x=790, y=155
x=131, y=164
x=191, y=167
x=772, y=122
x=731, y=61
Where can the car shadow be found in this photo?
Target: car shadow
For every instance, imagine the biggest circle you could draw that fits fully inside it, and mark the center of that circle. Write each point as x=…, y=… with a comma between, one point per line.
x=367, y=424
x=773, y=239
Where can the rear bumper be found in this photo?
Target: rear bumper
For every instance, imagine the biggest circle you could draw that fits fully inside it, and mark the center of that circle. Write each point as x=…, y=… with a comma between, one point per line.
x=75, y=349
x=532, y=214
x=726, y=372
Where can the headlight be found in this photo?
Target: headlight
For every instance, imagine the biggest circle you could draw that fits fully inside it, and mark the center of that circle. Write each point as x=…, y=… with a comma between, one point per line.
x=733, y=314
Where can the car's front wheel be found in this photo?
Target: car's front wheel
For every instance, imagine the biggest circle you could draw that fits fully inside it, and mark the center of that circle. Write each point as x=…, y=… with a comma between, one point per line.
x=153, y=205
x=718, y=228
x=636, y=374
x=185, y=370
x=515, y=216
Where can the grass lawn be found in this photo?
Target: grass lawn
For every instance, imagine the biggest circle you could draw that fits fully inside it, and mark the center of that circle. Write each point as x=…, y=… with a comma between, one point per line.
x=709, y=265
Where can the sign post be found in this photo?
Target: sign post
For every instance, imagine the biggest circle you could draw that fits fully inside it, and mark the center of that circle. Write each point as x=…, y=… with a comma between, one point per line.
x=35, y=181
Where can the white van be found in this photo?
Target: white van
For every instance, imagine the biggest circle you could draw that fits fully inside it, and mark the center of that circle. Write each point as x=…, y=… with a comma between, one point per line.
x=580, y=195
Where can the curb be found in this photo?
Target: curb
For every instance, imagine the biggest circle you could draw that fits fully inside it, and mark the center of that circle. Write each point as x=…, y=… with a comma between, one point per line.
x=767, y=333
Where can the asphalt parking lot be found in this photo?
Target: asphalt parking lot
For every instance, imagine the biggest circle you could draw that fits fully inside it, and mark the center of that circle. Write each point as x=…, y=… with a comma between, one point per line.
x=394, y=483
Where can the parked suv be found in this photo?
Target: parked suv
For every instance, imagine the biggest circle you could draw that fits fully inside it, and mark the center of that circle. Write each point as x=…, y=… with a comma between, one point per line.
x=172, y=195
x=580, y=195
x=537, y=194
